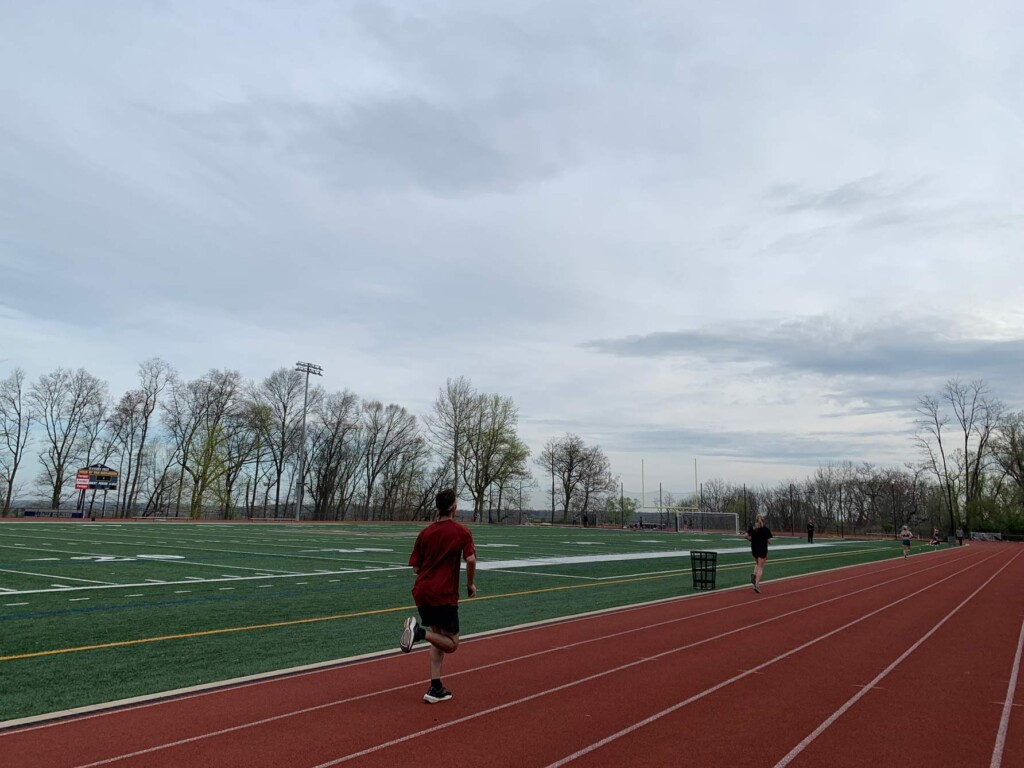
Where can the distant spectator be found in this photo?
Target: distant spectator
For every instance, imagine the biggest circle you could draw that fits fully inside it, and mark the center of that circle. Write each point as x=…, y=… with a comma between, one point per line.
x=810, y=532
x=960, y=537
x=936, y=539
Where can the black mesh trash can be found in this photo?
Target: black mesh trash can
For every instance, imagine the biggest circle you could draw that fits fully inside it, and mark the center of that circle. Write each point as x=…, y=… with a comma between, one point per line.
x=704, y=567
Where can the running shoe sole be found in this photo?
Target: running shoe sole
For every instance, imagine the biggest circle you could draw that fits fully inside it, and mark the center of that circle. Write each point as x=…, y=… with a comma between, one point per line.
x=408, y=635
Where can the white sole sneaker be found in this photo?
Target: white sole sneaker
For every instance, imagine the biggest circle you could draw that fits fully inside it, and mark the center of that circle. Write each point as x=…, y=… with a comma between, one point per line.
x=408, y=635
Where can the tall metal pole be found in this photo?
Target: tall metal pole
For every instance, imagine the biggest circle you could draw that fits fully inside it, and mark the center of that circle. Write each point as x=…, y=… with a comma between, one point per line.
x=792, y=512
x=892, y=486
x=552, y=488
x=316, y=370
x=643, y=488
x=622, y=503
x=700, y=506
x=842, y=519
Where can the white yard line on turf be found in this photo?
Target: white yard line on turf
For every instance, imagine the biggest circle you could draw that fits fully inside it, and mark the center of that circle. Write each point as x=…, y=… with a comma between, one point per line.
x=50, y=576
x=491, y=565
x=541, y=625
x=1011, y=691
x=540, y=573
x=194, y=580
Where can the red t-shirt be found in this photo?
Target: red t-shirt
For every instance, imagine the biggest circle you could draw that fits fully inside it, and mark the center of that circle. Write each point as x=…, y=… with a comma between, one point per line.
x=437, y=555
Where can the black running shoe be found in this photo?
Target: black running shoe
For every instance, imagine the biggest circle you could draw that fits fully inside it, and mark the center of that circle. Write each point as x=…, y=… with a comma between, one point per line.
x=757, y=589
x=434, y=695
x=408, y=634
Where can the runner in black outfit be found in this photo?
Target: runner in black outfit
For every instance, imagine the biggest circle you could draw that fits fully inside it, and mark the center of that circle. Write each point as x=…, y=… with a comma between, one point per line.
x=758, y=535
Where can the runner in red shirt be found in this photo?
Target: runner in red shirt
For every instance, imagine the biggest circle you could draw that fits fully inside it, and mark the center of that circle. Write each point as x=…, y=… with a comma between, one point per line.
x=436, y=559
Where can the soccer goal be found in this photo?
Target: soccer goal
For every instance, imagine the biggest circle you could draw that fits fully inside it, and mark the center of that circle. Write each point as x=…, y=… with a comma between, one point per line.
x=686, y=519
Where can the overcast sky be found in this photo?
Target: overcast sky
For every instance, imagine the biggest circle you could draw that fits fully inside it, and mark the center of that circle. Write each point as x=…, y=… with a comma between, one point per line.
x=747, y=233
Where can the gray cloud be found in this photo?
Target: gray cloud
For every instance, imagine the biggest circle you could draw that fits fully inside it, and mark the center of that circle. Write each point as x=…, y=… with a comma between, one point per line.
x=851, y=197
x=395, y=142
x=404, y=192
x=911, y=352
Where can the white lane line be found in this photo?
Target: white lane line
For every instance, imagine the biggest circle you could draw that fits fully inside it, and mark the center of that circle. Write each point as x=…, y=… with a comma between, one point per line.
x=53, y=576
x=827, y=723
x=77, y=599
x=11, y=605
x=535, y=654
x=1004, y=721
x=556, y=575
x=182, y=591
x=136, y=595
x=637, y=662
x=89, y=712
x=224, y=589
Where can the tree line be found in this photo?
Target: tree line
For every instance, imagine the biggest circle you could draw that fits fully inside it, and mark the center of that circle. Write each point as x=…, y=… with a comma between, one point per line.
x=223, y=445
x=219, y=443
x=968, y=474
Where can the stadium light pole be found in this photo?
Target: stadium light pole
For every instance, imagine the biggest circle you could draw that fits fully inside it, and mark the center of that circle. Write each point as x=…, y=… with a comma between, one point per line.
x=316, y=370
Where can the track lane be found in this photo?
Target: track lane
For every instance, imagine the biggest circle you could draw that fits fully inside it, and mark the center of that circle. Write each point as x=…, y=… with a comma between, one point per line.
x=197, y=715
x=945, y=697
x=494, y=725
x=755, y=721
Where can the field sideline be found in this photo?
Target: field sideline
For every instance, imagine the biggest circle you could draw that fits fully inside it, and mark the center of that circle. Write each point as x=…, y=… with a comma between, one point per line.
x=97, y=612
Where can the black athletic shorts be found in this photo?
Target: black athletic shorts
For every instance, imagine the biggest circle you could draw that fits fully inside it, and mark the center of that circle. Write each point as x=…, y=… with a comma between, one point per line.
x=444, y=617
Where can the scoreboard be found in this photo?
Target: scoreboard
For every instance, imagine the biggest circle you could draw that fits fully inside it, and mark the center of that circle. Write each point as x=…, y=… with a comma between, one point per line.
x=96, y=477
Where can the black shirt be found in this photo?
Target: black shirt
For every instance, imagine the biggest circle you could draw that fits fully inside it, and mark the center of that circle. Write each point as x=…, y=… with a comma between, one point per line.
x=759, y=540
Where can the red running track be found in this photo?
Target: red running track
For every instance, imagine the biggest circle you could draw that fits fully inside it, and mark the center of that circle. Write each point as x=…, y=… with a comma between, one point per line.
x=901, y=663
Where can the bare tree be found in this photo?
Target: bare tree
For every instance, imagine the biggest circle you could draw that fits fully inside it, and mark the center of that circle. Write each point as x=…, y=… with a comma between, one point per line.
x=596, y=479
x=564, y=458
x=15, y=429
x=334, y=455
x=387, y=433
x=1008, y=449
x=281, y=394
x=154, y=376
x=450, y=422
x=63, y=402
x=959, y=470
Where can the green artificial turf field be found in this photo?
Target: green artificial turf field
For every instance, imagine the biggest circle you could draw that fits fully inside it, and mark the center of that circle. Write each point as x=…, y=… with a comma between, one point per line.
x=97, y=612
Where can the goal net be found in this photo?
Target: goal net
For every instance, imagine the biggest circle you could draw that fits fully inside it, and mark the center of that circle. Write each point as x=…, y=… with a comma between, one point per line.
x=686, y=519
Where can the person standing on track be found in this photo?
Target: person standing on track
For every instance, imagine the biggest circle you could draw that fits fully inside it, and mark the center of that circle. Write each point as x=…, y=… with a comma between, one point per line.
x=810, y=532
x=436, y=559
x=906, y=535
x=758, y=535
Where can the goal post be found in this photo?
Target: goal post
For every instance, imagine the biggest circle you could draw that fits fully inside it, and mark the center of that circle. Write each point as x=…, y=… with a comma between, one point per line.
x=686, y=520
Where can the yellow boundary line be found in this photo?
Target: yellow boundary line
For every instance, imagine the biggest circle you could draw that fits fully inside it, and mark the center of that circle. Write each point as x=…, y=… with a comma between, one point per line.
x=380, y=611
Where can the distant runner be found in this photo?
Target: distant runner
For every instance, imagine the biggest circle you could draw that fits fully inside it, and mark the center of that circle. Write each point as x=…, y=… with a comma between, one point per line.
x=758, y=535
